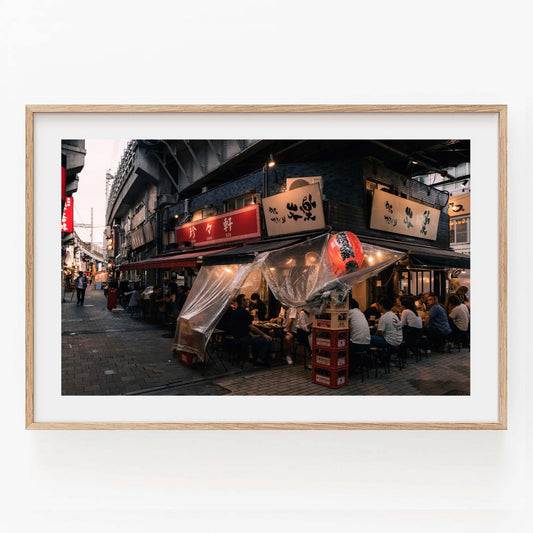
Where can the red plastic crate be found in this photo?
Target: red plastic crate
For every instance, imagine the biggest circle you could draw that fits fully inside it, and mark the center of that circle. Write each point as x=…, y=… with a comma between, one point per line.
x=332, y=378
x=188, y=358
x=331, y=320
x=330, y=338
x=330, y=357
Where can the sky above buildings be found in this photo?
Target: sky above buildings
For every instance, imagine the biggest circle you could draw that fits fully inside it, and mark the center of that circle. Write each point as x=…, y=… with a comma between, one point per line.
x=103, y=155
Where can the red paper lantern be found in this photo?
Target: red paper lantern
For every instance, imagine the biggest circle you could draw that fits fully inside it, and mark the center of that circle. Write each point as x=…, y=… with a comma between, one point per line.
x=345, y=252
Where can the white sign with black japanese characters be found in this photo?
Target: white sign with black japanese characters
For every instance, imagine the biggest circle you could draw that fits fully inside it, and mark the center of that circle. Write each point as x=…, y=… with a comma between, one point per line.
x=294, y=211
x=399, y=215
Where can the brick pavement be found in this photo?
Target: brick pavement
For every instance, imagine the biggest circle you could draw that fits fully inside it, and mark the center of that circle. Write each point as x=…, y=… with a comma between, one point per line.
x=110, y=353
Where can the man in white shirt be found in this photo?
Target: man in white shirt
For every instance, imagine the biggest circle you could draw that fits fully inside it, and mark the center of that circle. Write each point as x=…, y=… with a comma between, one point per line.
x=460, y=317
x=359, y=330
x=389, y=333
x=459, y=320
x=290, y=333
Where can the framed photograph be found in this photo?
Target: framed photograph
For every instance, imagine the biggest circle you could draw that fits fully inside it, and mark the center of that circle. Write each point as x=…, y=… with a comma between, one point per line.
x=266, y=267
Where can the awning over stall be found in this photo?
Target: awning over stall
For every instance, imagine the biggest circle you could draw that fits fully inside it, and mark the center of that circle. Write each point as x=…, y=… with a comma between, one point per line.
x=181, y=260
x=299, y=272
x=248, y=252
x=424, y=256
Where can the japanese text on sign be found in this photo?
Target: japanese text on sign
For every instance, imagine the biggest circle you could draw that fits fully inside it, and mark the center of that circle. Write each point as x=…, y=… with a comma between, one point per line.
x=67, y=219
x=234, y=225
x=294, y=211
x=399, y=215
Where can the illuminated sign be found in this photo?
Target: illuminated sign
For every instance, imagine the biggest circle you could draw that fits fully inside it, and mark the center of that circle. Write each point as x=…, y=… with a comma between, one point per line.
x=237, y=225
x=63, y=182
x=67, y=220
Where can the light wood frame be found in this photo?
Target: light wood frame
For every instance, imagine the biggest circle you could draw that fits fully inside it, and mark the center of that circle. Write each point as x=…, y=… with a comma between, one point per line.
x=500, y=110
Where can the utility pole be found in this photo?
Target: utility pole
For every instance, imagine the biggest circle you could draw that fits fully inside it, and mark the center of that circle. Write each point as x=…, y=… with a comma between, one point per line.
x=92, y=227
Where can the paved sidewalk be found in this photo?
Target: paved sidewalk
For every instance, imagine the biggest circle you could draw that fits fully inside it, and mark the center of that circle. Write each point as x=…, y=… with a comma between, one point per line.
x=111, y=353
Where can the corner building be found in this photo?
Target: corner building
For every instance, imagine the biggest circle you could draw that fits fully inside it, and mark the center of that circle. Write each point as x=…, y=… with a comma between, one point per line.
x=166, y=192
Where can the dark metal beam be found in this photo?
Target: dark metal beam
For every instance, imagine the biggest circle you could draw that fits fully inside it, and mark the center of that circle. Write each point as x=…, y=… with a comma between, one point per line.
x=219, y=156
x=431, y=168
x=193, y=154
x=178, y=162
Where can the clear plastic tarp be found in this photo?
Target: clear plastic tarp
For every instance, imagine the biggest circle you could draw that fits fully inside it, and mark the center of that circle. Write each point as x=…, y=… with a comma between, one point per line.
x=301, y=275
x=212, y=292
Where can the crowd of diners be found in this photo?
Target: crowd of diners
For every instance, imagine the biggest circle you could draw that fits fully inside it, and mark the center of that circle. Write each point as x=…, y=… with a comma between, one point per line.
x=247, y=322
x=161, y=304
x=406, y=321
x=387, y=324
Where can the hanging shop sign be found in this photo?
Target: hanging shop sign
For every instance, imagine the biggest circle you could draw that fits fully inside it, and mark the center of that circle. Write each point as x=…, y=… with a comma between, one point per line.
x=237, y=225
x=67, y=219
x=399, y=215
x=459, y=205
x=294, y=211
x=63, y=182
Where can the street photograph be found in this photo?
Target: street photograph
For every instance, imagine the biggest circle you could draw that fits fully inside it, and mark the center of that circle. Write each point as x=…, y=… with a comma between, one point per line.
x=285, y=267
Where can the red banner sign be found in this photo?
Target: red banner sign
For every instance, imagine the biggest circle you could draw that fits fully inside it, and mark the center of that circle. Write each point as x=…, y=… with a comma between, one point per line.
x=63, y=182
x=237, y=225
x=67, y=220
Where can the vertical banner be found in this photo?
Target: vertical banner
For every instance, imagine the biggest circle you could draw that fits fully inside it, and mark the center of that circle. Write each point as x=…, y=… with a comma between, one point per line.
x=67, y=220
x=63, y=183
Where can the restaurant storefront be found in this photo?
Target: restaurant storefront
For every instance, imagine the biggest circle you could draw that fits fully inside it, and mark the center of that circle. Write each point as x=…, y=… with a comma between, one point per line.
x=413, y=228
x=197, y=240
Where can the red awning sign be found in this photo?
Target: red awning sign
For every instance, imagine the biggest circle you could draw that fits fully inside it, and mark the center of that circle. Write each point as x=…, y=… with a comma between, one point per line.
x=67, y=220
x=237, y=225
x=172, y=261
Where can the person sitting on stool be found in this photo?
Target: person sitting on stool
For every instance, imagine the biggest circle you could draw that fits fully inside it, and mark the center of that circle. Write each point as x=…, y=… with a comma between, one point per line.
x=359, y=336
x=242, y=329
x=439, y=329
x=389, y=333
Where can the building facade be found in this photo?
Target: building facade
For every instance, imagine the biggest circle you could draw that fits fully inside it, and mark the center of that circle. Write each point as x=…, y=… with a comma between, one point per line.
x=163, y=189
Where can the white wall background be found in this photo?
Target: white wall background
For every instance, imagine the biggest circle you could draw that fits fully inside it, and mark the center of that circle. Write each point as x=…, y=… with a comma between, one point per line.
x=238, y=51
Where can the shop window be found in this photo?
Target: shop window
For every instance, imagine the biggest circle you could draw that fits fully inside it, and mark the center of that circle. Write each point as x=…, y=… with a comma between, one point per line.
x=419, y=281
x=460, y=230
x=240, y=201
x=203, y=213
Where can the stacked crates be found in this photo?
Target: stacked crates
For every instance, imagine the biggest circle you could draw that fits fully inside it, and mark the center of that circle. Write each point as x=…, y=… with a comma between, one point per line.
x=330, y=346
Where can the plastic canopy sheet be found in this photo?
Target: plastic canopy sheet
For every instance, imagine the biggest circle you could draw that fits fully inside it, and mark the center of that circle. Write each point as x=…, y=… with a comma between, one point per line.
x=300, y=275
x=212, y=292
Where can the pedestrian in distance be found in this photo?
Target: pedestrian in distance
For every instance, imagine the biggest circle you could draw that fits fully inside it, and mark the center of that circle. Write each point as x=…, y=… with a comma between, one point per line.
x=81, y=285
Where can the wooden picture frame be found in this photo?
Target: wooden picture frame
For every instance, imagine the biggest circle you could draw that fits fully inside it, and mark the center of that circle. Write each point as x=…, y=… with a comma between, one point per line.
x=497, y=112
